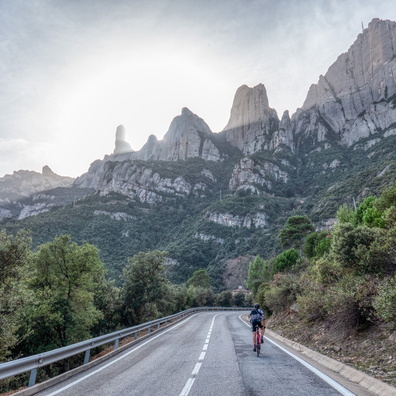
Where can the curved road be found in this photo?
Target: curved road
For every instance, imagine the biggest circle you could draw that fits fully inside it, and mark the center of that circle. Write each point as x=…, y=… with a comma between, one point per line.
x=206, y=354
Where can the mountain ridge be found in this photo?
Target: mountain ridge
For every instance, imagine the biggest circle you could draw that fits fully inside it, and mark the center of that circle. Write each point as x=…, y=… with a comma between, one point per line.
x=231, y=191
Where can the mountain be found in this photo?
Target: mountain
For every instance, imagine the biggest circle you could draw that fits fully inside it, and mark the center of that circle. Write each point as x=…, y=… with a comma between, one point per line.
x=215, y=199
x=23, y=186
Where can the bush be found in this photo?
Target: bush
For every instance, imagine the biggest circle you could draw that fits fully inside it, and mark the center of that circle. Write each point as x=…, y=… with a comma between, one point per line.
x=350, y=302
x=285, y=261
x=351, y=247
x=385, y=302
x=326, y=270
x=317, y=244
x=312, y=301
x=282, y=292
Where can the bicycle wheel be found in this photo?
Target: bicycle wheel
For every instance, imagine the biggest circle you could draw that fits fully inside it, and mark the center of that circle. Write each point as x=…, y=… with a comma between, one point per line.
x=258, y=349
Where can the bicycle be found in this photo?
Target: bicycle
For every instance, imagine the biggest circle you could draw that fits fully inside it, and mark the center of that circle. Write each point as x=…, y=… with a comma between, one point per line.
x=257, y=344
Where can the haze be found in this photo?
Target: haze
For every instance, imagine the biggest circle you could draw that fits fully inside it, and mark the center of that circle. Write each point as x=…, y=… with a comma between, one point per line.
x=72, y=71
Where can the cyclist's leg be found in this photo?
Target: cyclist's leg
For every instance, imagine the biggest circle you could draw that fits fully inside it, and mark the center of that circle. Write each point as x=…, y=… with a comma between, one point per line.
x=254, y=333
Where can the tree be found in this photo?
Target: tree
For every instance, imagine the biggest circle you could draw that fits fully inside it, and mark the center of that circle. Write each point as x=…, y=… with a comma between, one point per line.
x=258, y=273
x=200, y=278
x=145, y=287
x=316, y=244
x=285, y=261
x=295, y=230
x=352, y=248
x=225, y=299
x=368, y=213
x=63, y=279
x=14, y=258
x=345, y=214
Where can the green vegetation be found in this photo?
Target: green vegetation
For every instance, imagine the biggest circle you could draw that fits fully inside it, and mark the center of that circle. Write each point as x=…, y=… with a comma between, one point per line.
x=345, y=276
x=58, y=295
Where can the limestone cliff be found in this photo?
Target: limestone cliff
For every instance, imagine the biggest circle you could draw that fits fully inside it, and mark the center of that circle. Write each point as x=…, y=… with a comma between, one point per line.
x=252, y=122
x=188, y=136
x=355, y=99
x=24, y=183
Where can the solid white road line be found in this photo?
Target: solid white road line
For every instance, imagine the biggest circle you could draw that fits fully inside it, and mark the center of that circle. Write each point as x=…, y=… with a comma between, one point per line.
x=323, y=376
x=116, y=360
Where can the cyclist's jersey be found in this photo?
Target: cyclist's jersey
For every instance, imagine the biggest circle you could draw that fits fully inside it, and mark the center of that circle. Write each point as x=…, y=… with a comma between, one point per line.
x=256, y=315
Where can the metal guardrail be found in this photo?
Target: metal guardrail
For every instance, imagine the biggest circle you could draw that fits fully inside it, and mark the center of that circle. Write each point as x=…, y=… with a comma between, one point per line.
x=33, y=363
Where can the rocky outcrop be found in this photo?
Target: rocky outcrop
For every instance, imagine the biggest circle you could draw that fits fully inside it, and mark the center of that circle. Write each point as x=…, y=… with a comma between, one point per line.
x=121, y=145
x=248, y=175
x=355, y=98
x=114, y=215
x=259, y=220
x=33, y=210
x=24, y=183
x=136, y=181
x=208, y=238
x=188, y=137
x=252, y=122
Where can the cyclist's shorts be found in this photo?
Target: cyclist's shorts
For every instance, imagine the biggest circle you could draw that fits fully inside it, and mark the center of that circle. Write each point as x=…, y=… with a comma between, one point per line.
x=255, y=325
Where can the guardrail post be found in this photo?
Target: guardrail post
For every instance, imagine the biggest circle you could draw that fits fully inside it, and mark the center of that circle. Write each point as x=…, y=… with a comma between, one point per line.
x=86, y=357
x=136, y=335
x=32, y=378
x=148, y=330
x=117, y=341
x=159, y=326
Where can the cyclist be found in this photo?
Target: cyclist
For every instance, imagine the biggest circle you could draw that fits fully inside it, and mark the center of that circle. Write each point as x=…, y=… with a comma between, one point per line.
x=257, y=319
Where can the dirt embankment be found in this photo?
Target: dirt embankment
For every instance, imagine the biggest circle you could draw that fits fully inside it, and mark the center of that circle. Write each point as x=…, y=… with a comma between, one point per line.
x=371, y=349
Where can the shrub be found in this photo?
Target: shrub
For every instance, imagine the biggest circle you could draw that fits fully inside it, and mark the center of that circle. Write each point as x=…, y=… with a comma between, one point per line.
x=345, y=215
x=285, y=261
x=351, y=247
x=312, y=301
x=326, y=270
x=317, y=244
x=385, y=302
x=282, y=292
x=350, y=302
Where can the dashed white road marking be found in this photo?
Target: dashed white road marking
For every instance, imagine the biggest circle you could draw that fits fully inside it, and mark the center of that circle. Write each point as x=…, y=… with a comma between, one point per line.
x=190, y=381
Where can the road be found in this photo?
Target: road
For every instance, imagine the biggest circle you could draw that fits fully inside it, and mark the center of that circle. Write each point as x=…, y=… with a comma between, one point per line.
x=206, y=354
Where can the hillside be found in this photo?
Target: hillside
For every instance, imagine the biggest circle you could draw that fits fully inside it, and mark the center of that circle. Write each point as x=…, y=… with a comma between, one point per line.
x=208, y=198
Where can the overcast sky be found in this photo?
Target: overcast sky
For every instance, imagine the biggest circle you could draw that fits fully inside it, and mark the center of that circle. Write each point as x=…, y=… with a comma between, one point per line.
x=71, y=71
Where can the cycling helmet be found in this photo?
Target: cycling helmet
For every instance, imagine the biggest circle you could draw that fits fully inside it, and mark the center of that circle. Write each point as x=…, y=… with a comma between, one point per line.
x=256, y=305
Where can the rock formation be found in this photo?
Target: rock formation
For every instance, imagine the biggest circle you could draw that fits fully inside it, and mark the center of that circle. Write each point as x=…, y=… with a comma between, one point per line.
x=252, y=122
x=188, y=137
x=121, y=145
x=23, y=183
x=355, y=98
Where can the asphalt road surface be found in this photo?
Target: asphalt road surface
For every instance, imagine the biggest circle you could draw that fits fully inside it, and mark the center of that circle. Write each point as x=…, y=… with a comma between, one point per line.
x=209, y=353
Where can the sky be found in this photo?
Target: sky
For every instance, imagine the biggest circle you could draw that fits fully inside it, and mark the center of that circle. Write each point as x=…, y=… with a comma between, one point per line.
x=71, y=71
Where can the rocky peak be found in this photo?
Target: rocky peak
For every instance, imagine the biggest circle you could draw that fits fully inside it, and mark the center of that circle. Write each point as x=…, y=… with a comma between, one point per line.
x=121, y=145
x=188, y=136
x=23, y=183
x=252, y=122
x=345, y=99
x=47, y=172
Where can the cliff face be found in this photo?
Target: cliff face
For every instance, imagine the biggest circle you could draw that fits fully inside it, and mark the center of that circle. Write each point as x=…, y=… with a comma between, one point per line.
x=188, y=137
x=206, y=197
x=252, y=122
x=355, y=99
x=353, y=106
x=24, y=183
